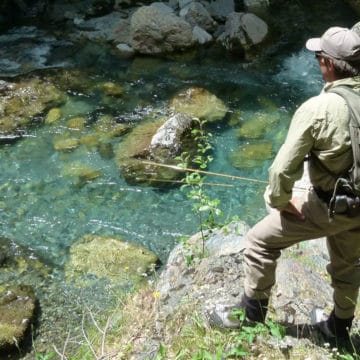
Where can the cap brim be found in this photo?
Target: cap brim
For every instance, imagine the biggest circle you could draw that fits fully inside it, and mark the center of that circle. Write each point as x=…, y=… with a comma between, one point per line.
x=313, y=44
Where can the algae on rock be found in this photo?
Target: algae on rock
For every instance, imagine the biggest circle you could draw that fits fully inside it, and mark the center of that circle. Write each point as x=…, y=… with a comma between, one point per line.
x=199, y=103
x=17, y=306
x=251, y=155
x=111, y=258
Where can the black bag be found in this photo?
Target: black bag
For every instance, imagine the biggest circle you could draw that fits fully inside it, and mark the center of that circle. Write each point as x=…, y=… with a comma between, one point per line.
x=346, y=195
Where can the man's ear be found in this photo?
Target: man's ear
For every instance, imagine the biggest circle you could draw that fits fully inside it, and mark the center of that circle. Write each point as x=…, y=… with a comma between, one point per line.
x=330, y=64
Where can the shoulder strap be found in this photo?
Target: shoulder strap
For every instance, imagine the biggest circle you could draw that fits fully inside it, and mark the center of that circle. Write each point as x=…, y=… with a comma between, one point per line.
x=353, y=102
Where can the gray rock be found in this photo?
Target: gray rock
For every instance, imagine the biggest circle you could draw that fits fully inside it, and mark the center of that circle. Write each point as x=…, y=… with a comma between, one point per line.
x=298, y=291
x=169, y=135
x=125, y=50
x=256, y=6
x=243, y=30
x=221, y=9
x=196, y=14
x=103, y=28
x=155, y=31
x=163, y=7
x=183, y=3
x=201, y=36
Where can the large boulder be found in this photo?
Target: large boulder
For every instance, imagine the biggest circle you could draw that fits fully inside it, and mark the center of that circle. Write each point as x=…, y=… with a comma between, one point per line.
x=22, y=102
x=108, y=258
x=221, y=9
x=157, y=142
x=199, y=103
x=214, y=282
x=17, y=310
x=243, y=31
x=155, y=31
x=196, y=15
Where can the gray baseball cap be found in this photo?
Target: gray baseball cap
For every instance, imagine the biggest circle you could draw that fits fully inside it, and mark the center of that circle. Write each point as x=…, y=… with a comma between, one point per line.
x=338, y=42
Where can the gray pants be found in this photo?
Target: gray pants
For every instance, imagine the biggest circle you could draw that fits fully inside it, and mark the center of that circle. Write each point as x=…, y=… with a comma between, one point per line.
x=277, y=231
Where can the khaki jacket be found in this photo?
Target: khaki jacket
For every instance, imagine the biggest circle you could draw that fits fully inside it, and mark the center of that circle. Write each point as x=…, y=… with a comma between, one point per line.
x=320, y=128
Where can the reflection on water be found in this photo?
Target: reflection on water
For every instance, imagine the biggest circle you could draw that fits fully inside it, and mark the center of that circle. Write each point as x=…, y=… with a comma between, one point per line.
x=43, y=206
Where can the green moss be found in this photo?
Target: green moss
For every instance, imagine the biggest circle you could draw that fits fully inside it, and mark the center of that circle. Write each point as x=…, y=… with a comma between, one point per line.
x=199, y=103
x=106, y=126
x=112, y=89
x=66, y=143
x=17, y=305
x=109, y=258
x=53, y=116
x=77, y=123
x=257, y=126
x=251, y=155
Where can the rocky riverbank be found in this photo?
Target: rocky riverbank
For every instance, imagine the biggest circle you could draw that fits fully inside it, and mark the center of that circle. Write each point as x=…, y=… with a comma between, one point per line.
x=185, y=294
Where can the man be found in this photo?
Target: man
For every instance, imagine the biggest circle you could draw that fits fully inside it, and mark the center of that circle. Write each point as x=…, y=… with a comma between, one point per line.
x=319, y=130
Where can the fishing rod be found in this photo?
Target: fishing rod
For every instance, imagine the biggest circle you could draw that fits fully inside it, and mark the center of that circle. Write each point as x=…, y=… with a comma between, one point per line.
x=232, y=177
x=185, y=183
x=178, y=168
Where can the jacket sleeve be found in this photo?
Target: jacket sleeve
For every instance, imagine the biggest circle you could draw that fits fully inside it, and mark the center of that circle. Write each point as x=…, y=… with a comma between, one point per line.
x=289, y=162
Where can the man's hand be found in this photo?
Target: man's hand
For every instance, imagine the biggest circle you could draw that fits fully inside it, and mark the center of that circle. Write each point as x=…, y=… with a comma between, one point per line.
x=292, y=209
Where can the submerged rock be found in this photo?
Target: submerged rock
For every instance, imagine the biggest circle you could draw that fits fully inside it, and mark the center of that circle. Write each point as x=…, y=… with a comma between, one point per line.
x=110, y=258
x=107, y=127
x=66, y=143
x=112, y=89
x=199, y=103
x=81, y=173
x=17, y=260
x=258, y=125
x=76, y=123
x=53, y=116
x=17, y=307
x=22, y=103
x=251, y=155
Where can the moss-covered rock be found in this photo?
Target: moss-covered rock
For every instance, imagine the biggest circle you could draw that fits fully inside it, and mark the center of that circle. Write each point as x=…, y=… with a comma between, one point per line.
x=17, y=260
x=76, y=123
x=112, y=89
x=158, y=142
x=199, y=103
x=17, y=306
x=258, y=125
x=133, y=151
x=110, y=258
x=65, y=143
x=81, y=173
x=251, y=155
x=107, y=127
x=23, y=102
x=53, y=116
x=89, y=140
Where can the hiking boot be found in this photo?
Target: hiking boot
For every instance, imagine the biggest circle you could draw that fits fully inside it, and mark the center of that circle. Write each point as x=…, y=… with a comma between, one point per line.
x=336, y=331
x=255, y=310
x=224, y=315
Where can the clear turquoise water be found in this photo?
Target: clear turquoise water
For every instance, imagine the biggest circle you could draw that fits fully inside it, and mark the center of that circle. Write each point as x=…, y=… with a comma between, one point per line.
x=41, y=206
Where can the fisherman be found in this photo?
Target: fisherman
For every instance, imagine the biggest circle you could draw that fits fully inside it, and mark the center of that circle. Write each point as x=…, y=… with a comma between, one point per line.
x=319, y=135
